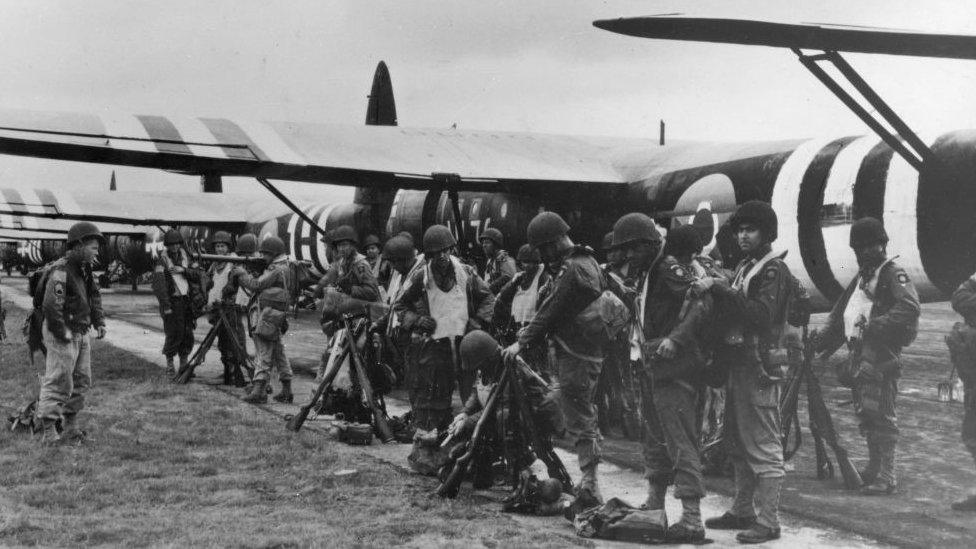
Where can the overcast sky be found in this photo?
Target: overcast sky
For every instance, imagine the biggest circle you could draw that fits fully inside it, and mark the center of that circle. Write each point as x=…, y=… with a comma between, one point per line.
x=515, y=65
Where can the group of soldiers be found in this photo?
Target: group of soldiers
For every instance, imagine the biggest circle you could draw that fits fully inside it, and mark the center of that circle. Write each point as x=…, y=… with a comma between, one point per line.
x=658, y=312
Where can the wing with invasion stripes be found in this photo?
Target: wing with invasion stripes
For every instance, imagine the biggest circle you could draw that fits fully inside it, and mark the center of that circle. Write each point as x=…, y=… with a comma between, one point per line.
x=18, y=235
x=343, y=155
x=43, y=225
x=143, y=208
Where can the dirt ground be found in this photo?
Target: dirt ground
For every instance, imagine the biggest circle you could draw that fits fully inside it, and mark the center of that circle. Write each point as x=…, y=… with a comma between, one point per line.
x=934, y=468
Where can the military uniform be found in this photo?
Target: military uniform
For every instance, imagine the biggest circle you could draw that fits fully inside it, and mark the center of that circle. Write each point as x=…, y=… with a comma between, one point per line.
x=671, y=443
x=226, y=307
x=172, y=278
x=354, y=278
x=964, y=303
x=270, y=351
x=578, y=357
x=433, y=361
x=887, y=299
x=754, y=354
x=72, y=305
x=515, y=307
x=499, y=271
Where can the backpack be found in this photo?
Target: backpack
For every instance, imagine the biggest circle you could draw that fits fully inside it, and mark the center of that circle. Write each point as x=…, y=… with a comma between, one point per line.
x=34, y=322
x=605, y=318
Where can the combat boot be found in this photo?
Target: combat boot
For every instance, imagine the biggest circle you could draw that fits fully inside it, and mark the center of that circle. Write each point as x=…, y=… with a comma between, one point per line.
x=766, y=527
x=742, y=516
x=968, y=504
x=70, y=431
x=258, y=395
x=655, y=496
x=588, y=494
x=689, y=529
x=184, y=362
x=870, y=472
x=170, y=369
x=285, y=394
x=885, y=483
x=48, y=432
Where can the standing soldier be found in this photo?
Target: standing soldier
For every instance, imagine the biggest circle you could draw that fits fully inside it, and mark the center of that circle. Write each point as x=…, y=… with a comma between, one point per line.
x=224, y=311
x=877, y=315
x=72, y=305
x=578, y=356
x=404, y=262
x=272, y=322
x=500, y=267
x=964, y=359
x=753, y=350
x=440, y=303
x=378, y=265
x=672, y=321
x=172, y=278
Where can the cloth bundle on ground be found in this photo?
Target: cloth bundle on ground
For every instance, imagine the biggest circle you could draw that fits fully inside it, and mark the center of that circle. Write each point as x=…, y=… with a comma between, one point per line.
x=618, y=521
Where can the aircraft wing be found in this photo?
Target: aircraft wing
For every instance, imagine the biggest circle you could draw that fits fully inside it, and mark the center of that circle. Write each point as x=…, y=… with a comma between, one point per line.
x=144, y=208
x=322, y=153
x=814, y=36
x=61, y=226
x=18, y=235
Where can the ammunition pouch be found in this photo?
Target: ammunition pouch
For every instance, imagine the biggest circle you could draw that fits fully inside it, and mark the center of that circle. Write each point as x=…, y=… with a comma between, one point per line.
x=271, y=323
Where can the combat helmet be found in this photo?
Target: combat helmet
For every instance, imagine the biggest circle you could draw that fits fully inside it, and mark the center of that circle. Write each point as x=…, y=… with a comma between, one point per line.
x=545, y=228
x=634, y=227
x=437, y=238
x=82, y=230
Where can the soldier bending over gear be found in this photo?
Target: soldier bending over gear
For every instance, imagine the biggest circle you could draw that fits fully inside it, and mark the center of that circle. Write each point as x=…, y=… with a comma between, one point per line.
x=72, y=306
x=174, y=280
x=271, y=322
x=578, y=356
x=517, y=302
x=877, y=315
x=964, y=358
x=753, y=349
x=480, y=353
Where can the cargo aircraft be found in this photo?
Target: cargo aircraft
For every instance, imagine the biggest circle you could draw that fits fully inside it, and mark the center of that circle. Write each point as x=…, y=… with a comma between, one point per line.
x=410, y=178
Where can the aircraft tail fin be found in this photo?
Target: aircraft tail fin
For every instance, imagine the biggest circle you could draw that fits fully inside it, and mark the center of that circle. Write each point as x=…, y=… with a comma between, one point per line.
x=111, y=184
x=381, y=108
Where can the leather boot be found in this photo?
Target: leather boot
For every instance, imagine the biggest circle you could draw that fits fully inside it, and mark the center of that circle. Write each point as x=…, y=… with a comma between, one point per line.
x=766, y=527
x=170, y=369
x=49, y=432
x=285, y=395
x=184, y=361
x=689, y=529
x=70, y=431
x=870, y=472
x=655, y=496
x=742, y=516
x=257, y=394
x=588, y=494
x=885, y=484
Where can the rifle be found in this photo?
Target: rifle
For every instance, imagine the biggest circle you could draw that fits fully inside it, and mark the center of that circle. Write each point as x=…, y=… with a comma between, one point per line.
x=452, y=483
x=186, y=373
x=788, y=405
x=258, y=262
x=822, y=426
x=295, y=422
x=379, y=416
x=543, y=447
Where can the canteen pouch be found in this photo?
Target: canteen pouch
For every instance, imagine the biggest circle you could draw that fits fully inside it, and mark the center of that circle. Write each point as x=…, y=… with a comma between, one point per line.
x=271, y=324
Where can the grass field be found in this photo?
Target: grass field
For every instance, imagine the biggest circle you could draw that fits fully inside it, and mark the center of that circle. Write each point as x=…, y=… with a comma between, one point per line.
x=187, y=465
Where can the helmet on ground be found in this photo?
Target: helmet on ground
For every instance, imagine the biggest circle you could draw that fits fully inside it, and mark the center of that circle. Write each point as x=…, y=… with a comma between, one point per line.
x=758, y=213
x=549, y=490
x=683, y=240
x=607, y=243
x=247, y=243
x=372, y=240
x=545, y=228
x=345, y=233
x=272, y=245
x=82, y=230
x=477, y=347
x=172, y=236
x=398, y=247
x=527, y=254
x=867, y=231
x=634, y=227
x=494, y=235
x=221, y=237
x=437, y=238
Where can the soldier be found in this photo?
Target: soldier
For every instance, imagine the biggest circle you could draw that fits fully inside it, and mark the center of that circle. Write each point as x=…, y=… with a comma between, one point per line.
x=500, y=267
x=230, y=331
x=877, y=315
x=578, y=357
x=271, y=323
x=404, y=262
x=517, y=301
x=72, y=306
x=440, y=303
x=752, y=348
x=964, y=303
x=672, y=320
x=378, y=264
x=174, y=279
x=617, y=263
x=350, y=273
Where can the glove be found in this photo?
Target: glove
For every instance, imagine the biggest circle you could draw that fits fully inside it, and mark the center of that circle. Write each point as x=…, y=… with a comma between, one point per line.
x=667, y=349
x=512, y=351
x=457, y=425
x=101, y=332
x=426, y=324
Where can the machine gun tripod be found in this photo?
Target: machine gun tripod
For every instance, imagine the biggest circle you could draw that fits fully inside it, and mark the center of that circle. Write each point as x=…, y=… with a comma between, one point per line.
x=243, y=372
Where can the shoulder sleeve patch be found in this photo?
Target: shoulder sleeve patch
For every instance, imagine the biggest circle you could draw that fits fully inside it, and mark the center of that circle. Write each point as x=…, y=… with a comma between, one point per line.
x=902, y=278
x=770, y=273
x=678, y=271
